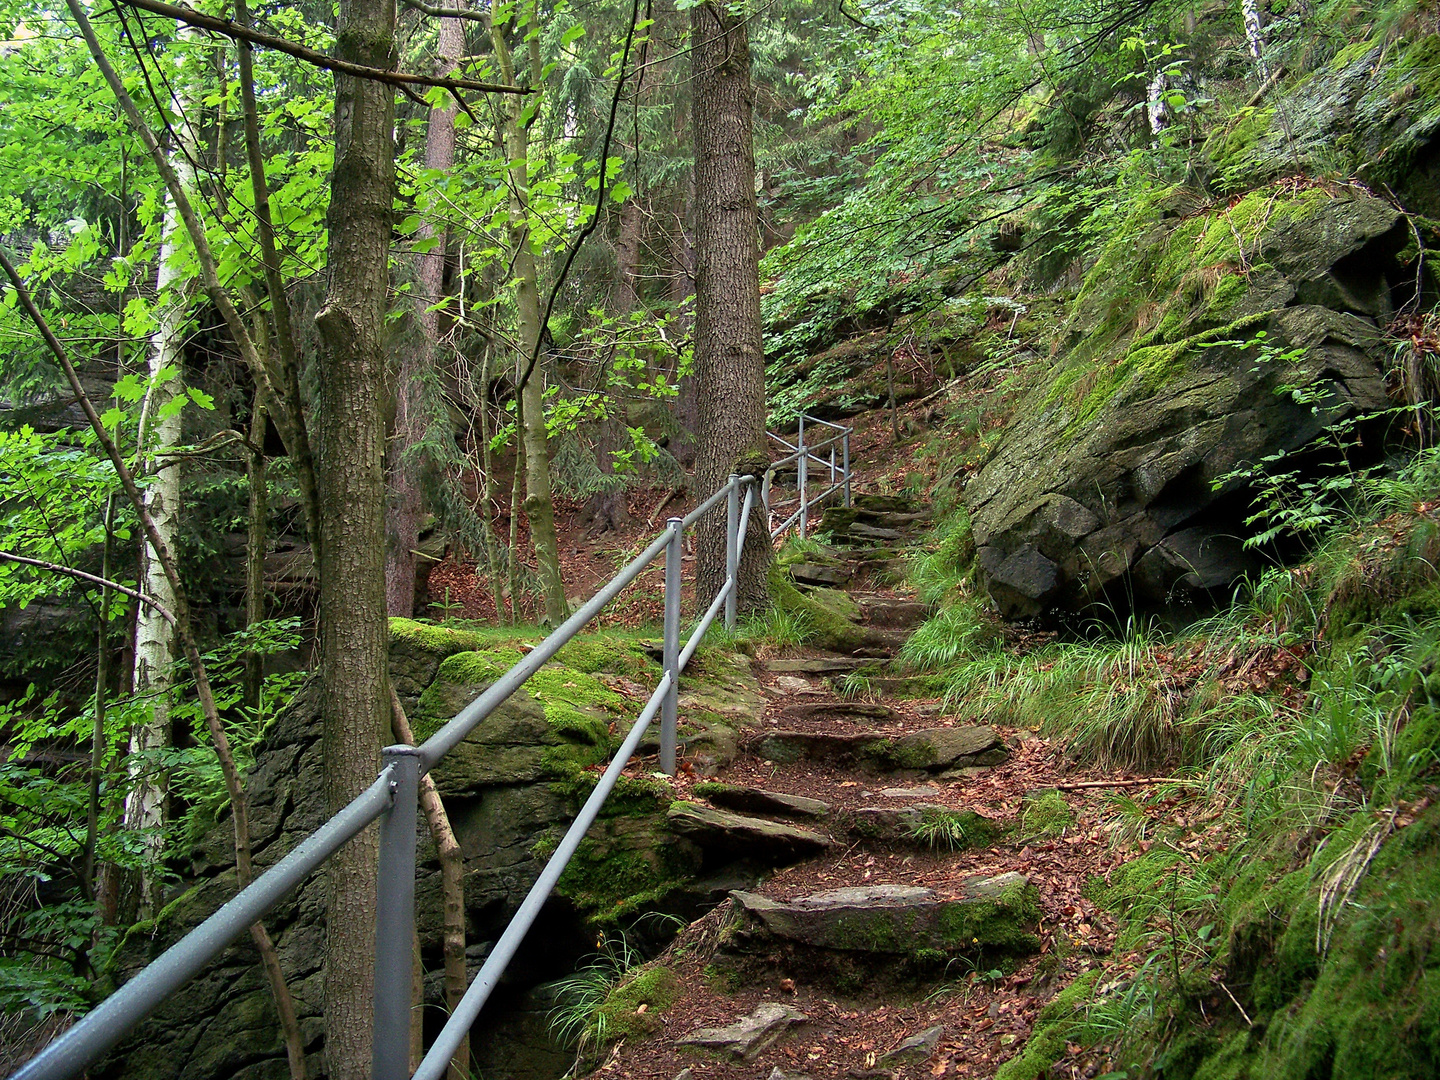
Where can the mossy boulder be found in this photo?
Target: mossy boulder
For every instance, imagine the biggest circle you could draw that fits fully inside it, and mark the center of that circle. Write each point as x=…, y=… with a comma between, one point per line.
x=416, y=651
x=554, y=726
x=1196, y=348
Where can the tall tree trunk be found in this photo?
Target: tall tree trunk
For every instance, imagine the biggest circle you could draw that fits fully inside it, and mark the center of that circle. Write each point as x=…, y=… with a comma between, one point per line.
x=411, y=421
x=682, y=287
x=162, y=426
x=539, y=500
x=607, y=510
x=1255, y=35
x=354, y=636
x=255, y=543
x=729, y=345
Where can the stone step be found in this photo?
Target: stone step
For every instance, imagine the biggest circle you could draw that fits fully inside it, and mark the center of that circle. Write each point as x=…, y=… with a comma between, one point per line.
x=858, y=710
x=929, y=750
x=904, y=686
x=751, y=800
x=983, y=912
x=815, y=665
x=739, y=836
x=891, y=611
x=919, y=824
x=884, y=504
x=818, y=573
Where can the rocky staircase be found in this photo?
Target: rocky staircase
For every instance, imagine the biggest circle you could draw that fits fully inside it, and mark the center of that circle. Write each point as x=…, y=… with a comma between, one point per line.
x=884, y=883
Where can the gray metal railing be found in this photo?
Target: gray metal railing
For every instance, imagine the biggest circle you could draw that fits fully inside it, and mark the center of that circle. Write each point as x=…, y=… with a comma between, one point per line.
x=393, y=800
x=805, y=454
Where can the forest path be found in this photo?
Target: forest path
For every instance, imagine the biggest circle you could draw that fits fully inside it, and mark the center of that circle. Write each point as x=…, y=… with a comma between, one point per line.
x=963, y=865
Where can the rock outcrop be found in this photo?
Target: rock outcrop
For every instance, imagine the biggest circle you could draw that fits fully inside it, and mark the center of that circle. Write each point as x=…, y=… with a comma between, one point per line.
x=510, y=787
x=1199, y=346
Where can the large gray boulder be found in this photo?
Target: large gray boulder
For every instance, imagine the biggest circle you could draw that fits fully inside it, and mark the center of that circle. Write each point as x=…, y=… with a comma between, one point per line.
x=1184, y=355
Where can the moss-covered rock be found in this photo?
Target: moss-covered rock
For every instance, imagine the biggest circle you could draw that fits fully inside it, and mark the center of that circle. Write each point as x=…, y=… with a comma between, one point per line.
x=1372, y=111
x=1179, y=344
x=416, y=651
x=829, y=615
x=1044, y=813
x=553, y=727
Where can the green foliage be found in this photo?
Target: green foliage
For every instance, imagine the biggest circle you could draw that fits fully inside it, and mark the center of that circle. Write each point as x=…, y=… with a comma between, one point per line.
x=608, y=999
x=952, y=830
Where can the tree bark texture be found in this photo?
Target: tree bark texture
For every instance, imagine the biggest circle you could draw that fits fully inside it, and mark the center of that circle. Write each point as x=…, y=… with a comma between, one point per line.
x=729, y=344
x=411, y=420
x=255, y=544
x=162, y=427
x=354, y=635
x=682, y=287
x=608, y=510
x=539, y=499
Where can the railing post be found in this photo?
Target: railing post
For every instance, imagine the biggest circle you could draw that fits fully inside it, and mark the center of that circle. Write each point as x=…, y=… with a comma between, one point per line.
x=395, y=919
x=732, y=548
x=845, y=466
x=804, y=508
x=670, y=707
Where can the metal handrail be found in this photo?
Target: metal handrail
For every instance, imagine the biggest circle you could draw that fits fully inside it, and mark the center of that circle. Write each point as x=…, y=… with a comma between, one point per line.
x=393, y=799
x=803, y=455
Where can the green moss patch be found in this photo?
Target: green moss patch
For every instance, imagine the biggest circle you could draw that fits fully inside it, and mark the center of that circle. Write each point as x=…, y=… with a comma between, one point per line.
x=621, y=1017
x=1044, y=814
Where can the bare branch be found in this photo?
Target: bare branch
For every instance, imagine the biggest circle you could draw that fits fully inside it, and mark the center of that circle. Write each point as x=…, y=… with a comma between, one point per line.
x=231, y=29
x=80, y=575
x=447, y=13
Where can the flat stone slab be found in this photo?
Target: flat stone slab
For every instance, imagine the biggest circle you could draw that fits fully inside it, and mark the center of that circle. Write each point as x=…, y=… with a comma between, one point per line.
x=786, y=747
x=933, y=749
x=898, y=919
x=772, y=841
x=915, y=1049
x=905, y=792
x=807, y=573
x=860, y=531
x=750, y=1036
x=756, y=801
x=794, y=684
x=823, y=665
x=861, y=710
x=893, y=611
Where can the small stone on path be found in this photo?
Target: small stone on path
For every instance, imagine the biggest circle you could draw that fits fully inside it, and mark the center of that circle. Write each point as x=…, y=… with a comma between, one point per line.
x=909, y=792
x=916, y=1048
x=793, y=682
x=750, y=1036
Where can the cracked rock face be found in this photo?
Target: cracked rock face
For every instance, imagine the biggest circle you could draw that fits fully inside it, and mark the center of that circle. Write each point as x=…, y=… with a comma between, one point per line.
x=1116, y=474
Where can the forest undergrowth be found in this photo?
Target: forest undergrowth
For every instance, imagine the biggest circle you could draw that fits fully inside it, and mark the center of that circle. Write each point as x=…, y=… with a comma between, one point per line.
x=1272, y=910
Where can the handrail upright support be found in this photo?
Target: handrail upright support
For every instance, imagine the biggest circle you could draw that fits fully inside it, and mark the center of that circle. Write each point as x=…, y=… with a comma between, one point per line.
x=845, y=465
x=732, y=548
x=395, y=918
x=670, y=706
x=804, y=506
